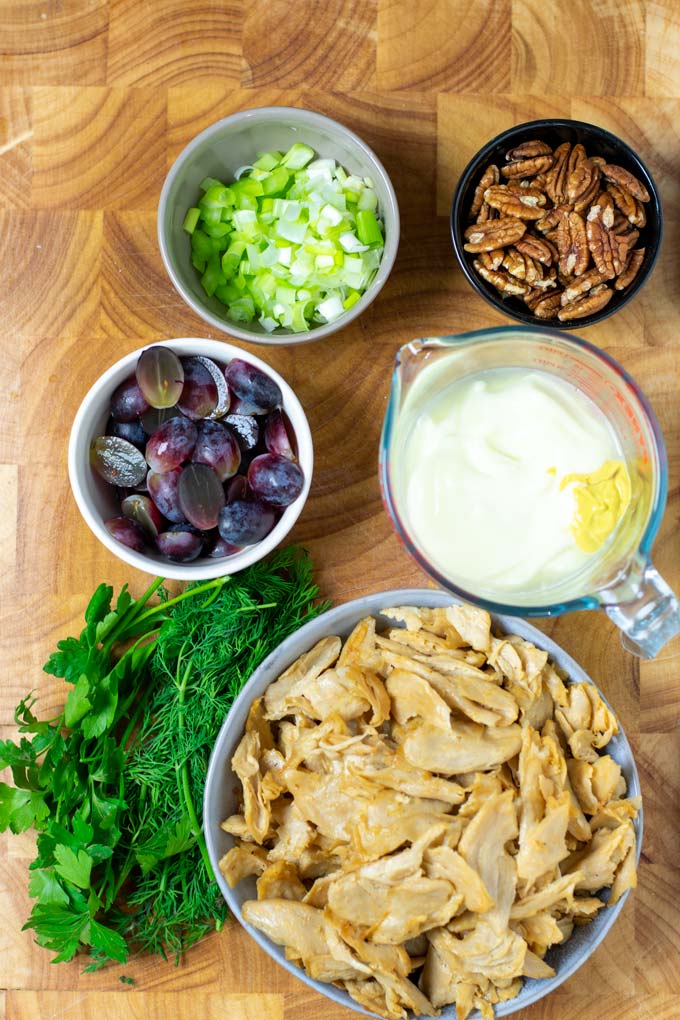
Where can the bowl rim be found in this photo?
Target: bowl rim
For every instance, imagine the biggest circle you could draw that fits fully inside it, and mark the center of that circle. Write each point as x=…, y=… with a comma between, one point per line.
x=202, y=568
x=456, y=214
x=391, y=214
x=346, y=615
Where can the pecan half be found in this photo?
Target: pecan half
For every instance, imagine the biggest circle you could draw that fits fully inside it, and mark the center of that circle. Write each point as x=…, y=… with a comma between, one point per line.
x=622, y=244
x=600, y=243
x=489, y=177
x=631, y=269
x=572, y=244
x=493, y=234
x=548, y=307
x=503, y=282
x=538, y=248
x=592, y=302
x=551, y=219
x=623, y=200
x=528, y=149
x=587, y=197
x=486, y=213
x=626, y=180
x=556, y=178
x=492, y=260
x=602, y=210
x=528, y=191
x=582, y=285
x=527, y=167
x=522, y=266
x=513, y=203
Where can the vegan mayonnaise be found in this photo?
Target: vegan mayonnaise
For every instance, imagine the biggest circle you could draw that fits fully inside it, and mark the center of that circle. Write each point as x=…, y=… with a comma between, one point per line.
x=514, y=479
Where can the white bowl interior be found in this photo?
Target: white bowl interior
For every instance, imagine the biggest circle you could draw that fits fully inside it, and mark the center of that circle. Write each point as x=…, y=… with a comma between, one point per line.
x=234, y=142
x=96, y=500
x=222, y=786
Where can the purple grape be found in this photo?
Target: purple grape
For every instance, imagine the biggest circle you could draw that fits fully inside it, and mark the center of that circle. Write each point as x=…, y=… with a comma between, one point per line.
x=276, y=480
x=144, y=511
x=216, y=547
x=201, y=496
x=157, y=416
x=171, y=444
x=126, y=532
x=160, y=376
x=276, y=435
x=217, y=447
x=199, y=395
x=243, y=523
x=118, y=461
x=246, y=429
x=127, y=402
x=256, y=392
x=223, y=395
x=163, y=490
x=237, y=488
x=179, y=546
x=130, y=430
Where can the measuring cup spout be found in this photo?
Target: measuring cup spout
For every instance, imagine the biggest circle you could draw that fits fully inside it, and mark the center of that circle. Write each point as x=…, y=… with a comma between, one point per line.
x=644, y=608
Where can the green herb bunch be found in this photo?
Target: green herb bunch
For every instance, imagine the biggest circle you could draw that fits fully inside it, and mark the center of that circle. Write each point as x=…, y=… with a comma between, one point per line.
x=114, y=784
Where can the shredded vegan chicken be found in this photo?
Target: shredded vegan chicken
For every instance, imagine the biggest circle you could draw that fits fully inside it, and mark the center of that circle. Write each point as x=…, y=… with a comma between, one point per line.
x=427, y=811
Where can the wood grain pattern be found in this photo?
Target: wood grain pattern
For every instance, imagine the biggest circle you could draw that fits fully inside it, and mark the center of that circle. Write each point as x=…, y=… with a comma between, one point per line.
x=97, y=97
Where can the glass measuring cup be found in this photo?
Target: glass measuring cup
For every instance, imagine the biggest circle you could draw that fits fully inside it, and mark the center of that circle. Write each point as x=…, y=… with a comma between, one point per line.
x=620, y=578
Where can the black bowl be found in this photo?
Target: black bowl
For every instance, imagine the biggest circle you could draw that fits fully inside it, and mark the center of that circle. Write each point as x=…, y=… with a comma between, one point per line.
x=597, y=142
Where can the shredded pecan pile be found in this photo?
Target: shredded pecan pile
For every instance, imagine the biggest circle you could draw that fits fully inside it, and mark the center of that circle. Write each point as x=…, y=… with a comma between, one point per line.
x=560, y=231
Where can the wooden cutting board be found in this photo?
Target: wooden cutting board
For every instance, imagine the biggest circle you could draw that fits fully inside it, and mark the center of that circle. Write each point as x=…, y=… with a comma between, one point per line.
x=96, y=100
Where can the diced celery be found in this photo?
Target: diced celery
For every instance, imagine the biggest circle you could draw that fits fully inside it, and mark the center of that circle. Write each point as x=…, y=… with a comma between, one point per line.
x=218, y=197
x=276, y=182
x=268, y=160
x=213, y=276
x=242, y=310
x=297, y=156
x=210, y=182
x=201, y=244
x=221, y=229
x=191, y=220
x=351, y=299
x=368, y=228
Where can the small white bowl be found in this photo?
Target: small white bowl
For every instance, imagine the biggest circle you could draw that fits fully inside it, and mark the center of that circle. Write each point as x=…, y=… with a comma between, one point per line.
x=96, y=500
x=233, y=142
x=221, y=797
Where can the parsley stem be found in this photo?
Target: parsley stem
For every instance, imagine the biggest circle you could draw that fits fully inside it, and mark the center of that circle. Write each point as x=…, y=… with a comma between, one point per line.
x=216, y=583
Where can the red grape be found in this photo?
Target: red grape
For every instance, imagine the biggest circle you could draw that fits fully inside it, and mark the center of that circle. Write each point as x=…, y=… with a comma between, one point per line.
x=245, y=428
x=130, y=430
x=243, y=523
x=223, y=395
x=237, y=488
x=256, y=392
x=163, y=490
x=142, y=509
x=276, y=436
x=171, y=444
x=127, y=402
x=200, y=495
x=126, y=532
x=216, y=446
x=160, y=376
x=199, y=394
x=276, y=480
x=157, y=416
x=179, y=546
x=118, y=461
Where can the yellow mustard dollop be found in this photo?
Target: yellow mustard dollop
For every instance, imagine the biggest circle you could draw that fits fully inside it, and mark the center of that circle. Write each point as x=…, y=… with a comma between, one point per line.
x=602, y=498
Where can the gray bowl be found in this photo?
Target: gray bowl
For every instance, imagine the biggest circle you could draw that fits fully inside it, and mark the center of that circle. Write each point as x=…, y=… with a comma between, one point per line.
x=234, y=142
x=221, y=788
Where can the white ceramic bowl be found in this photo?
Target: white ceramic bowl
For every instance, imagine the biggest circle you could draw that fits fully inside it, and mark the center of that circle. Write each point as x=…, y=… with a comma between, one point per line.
x=96, y=500
x=234, y=142
x=222, y=785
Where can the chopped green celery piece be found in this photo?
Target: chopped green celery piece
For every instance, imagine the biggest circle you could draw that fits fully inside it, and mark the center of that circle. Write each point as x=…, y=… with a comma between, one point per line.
x=226, y=293
x=211, y=216
x=218, y=197
x=368, y=228
x=351, y=299
x=230, y=262
x=191, y=220
x=201, y=244
x=297, y=156
x=242, y=310
x=298, y=321
x=246, y=187
x=268, y=160
x=197, y=263
x=210, y=182
x=276, y=182
x=368, y=199
x=246, y=225
x=267, y=206
x=221, y=230
x=295, y=232
x=285, y=295
x=213, y=276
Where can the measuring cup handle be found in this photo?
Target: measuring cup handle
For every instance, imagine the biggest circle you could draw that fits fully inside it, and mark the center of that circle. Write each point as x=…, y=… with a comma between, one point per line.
x=645, y=609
